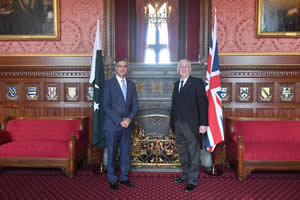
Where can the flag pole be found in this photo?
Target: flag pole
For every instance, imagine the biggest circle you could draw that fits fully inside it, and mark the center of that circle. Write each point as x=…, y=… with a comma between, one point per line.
x=100, y=169
x=97, y=80
x=214, y=171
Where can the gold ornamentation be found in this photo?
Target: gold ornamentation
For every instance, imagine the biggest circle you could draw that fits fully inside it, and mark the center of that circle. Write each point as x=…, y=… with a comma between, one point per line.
x=151, y=149
x=140, y=87
x=157, y=87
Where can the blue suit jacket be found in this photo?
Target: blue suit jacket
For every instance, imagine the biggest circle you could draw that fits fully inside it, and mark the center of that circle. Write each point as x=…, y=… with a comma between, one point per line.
x=115, y=106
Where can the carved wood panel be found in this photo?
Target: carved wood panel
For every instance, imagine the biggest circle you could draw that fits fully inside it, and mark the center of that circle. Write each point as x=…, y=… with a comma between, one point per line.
x=33, y=86
x=260, y=90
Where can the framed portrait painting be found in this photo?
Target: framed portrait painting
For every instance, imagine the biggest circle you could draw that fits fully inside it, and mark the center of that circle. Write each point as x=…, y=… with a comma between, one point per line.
x=29, y=20
x=278, y=18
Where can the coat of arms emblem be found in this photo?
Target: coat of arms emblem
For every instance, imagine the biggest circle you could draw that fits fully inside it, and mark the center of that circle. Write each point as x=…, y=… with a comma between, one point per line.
x=265, y=94
x=90, y=93
x=224, y=93
x=32, y=93
x=244, y=94
x=72, y=93
x=52, y=93
x=12, y=93
x=286, y=94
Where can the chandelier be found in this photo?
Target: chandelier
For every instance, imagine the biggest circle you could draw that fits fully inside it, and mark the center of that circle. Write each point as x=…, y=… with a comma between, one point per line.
x=157, y=14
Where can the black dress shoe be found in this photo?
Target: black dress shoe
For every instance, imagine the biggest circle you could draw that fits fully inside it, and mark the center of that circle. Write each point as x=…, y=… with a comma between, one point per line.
x=114, y=186
x=128, y=183
x=189, y=188
x=179, y=180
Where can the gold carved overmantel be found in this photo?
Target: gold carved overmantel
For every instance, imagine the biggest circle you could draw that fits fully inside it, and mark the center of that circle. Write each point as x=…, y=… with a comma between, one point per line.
x=153, y=143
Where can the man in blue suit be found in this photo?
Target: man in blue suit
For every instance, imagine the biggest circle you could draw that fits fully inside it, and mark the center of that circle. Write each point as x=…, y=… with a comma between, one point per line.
x=120, y=107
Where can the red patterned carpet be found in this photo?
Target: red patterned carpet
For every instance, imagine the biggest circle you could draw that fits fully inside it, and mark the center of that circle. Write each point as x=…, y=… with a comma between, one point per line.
x=51, y=184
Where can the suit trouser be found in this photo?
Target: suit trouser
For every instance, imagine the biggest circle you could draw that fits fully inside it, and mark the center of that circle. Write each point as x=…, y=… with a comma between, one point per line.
x=189, y=152
x=119, y=137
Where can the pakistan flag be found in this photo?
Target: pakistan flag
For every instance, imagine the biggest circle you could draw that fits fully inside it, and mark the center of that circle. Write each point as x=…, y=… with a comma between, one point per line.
x=97, y=79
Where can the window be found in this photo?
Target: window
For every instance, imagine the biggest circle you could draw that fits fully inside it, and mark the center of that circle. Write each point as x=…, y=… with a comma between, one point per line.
x=157, y=50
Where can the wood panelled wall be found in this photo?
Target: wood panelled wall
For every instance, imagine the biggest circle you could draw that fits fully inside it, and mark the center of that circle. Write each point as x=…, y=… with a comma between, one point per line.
x=262, y=86
x=251, y=86
x=45, y=86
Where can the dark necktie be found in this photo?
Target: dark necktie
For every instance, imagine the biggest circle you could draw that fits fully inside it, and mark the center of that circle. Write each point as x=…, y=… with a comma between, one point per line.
x=181, y=86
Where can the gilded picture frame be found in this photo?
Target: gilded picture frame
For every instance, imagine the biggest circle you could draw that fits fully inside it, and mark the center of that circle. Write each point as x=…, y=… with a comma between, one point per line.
x=29, y=20
x=278, y=18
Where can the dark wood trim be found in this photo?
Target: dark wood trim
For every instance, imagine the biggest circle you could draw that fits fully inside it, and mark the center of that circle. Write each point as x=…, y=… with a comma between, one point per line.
x=259, y=60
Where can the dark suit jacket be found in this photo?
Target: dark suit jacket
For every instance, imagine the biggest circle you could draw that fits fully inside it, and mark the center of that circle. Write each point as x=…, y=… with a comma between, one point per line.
x=191, y=105
x=115, y=107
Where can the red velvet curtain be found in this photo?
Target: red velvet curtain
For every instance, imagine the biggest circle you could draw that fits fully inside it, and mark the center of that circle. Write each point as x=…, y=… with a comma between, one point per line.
x=193, y=30
x=141, y=31
x=173, y=30
x=122, y=29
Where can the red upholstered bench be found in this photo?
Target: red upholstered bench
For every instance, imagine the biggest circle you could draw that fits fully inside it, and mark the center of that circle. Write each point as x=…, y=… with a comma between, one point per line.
x=54, y=142
x=262, y=144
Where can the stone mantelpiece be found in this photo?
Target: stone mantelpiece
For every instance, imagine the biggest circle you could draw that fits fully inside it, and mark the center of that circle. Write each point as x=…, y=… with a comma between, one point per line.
x=155, y=82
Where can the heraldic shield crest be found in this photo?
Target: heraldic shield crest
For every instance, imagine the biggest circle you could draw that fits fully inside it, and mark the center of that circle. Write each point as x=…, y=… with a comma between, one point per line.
x=244, y=94
x=224, y=93
x=12, y=93
x=265, y=94
x=90, y=93
x=32, y=93
x=286, y=94
x=72, y=93
x=52, y=93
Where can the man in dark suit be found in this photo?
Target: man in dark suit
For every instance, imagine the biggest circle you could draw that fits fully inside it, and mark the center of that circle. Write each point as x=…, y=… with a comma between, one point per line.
x=120, y=107
x=189, y=118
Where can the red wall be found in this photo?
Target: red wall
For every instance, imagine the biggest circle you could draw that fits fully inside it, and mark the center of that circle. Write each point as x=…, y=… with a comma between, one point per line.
x=78, y=19
x=236, y=30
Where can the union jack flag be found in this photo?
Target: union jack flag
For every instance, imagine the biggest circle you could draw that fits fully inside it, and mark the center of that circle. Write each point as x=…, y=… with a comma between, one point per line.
x=215, y=131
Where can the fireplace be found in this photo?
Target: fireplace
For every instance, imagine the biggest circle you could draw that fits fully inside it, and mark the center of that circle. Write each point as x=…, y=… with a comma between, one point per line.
x=153, y=143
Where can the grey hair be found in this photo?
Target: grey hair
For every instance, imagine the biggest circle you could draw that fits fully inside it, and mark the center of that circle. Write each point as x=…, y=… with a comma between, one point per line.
x=184, y=61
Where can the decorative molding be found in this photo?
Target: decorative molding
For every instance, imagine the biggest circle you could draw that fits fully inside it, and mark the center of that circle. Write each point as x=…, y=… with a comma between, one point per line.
x=49, y=54
x=44, y=71
x=108, y=28
x=260, y=67
x=259, y=54
x=260, y=71
x=259, y=74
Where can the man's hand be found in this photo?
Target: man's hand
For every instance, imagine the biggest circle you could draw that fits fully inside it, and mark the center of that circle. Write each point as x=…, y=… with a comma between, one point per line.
x=202, y=129
x=125, y=123
x=293, y=11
